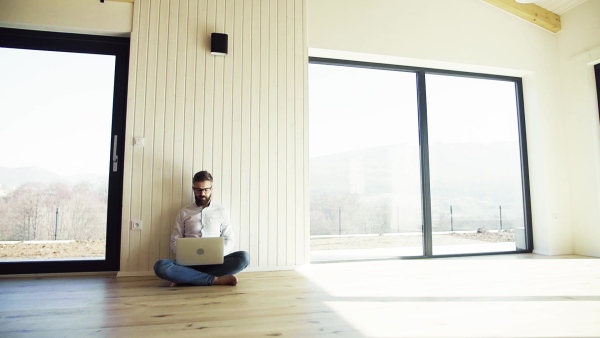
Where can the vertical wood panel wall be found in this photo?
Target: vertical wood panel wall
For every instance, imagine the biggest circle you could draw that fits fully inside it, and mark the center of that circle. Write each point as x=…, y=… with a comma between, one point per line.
x=242, y=116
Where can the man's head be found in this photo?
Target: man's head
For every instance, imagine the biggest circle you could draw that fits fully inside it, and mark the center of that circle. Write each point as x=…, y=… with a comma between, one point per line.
x=202, y=186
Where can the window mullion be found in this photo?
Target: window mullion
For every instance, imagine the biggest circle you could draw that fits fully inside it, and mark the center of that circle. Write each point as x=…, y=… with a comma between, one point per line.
x=424, y=154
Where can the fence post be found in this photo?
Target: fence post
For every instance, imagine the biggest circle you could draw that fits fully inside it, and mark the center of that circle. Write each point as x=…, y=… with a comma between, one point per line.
x=451, y=220
x=56, y=225
x=500, y=217
x=398, y=214
x=340, y=219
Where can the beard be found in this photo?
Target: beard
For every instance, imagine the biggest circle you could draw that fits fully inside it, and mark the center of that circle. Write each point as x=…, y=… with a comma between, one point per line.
x=202, y=201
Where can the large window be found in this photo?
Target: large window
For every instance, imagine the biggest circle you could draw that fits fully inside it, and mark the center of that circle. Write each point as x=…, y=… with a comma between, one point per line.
x=474, y=161
x=364, y=163
x=415, y=162
x=62, y=110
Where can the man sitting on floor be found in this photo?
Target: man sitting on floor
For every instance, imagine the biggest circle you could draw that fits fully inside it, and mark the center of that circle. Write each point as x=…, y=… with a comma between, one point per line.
x=203, y=218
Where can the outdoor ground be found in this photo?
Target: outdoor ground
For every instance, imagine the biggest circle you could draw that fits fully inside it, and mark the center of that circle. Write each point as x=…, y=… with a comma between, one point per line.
x=95, y=248
x=494, y=237
x=51, y=249
x=396, y=241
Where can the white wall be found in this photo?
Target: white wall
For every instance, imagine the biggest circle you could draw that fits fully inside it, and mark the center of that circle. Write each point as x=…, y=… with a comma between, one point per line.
x=111, y=18
x=579, y=50
x=474, y=36
x=241, y=116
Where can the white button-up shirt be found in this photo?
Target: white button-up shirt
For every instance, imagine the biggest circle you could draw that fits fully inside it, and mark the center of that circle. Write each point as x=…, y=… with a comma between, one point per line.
x=210, y=221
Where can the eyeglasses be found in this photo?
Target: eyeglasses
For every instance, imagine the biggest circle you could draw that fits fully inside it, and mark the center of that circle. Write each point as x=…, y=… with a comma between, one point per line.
x=199, y=190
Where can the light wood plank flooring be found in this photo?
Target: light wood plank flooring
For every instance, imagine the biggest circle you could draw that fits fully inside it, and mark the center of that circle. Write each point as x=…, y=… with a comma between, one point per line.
x=494, y=296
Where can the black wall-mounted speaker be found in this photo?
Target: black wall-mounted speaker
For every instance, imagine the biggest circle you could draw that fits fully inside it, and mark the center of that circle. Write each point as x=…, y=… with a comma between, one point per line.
x=218, y=44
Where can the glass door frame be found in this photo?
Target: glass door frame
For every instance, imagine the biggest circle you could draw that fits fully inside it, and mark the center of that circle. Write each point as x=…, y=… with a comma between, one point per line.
x=87, y=44
x=424, y=145
x=597, y=76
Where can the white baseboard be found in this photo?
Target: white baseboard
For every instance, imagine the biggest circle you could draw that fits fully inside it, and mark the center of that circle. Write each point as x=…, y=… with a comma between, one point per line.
x=249, y=269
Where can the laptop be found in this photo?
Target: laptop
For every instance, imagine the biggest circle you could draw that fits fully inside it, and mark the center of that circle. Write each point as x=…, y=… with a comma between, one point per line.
x=199, y=251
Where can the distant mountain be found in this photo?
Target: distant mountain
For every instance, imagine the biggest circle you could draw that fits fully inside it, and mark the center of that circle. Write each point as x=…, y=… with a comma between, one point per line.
x=10, y=178
x=458, y=171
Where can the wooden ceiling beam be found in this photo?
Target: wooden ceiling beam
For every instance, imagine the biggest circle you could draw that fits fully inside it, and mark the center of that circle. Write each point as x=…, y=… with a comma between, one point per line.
x=530, y=12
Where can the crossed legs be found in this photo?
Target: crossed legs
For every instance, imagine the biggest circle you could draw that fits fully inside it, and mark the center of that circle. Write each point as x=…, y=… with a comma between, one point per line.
x=220, y=274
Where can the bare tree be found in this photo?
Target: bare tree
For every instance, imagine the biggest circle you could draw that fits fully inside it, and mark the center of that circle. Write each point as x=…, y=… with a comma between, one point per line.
x=26, y=203
x=30, y=212
x=85, y=213
x=5, y=228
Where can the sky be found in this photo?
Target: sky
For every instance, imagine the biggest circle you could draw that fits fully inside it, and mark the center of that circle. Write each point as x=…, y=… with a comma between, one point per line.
x=356, y=108
x=56, y=111
x=474, y=162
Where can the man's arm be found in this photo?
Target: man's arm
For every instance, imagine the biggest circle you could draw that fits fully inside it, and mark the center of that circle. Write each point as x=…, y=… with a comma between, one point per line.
x=227, y=233
x=178, y=231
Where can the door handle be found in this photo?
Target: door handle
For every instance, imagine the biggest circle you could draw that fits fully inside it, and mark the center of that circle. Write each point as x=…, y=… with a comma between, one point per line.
x=115, y=157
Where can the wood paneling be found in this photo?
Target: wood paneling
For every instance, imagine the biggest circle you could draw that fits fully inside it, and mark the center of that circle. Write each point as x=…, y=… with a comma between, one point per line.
x=242, y=116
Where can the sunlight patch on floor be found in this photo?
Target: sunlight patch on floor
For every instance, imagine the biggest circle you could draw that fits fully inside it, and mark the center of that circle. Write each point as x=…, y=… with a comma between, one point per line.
x=514, y=296
x=455, y=318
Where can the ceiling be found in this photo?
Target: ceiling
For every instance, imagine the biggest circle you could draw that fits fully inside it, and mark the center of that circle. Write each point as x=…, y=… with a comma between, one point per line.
x=544, y=13
x=559, y=7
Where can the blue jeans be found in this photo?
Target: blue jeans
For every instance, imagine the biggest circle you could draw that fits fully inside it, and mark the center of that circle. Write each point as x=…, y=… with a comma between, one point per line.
x=201, y=274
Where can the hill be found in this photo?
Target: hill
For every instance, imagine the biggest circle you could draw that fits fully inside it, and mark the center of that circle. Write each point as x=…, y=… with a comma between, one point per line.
x=10, y=178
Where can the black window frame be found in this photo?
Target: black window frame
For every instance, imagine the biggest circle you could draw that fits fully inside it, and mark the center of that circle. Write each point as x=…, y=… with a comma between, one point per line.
x=86, y=44
x=424, y=145
x=597, y=73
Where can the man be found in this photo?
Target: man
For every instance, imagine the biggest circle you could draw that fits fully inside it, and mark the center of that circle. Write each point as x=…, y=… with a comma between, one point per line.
x=204, y=218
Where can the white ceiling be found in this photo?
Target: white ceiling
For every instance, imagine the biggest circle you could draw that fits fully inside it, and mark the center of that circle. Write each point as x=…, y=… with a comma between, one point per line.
x=559, y=7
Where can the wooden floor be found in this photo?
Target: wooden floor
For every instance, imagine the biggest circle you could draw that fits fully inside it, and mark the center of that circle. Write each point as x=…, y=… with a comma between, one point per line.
x=495, y=296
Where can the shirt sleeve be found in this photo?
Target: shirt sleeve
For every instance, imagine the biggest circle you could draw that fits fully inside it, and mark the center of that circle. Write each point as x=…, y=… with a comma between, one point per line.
x=227, y=233
x=178, y=231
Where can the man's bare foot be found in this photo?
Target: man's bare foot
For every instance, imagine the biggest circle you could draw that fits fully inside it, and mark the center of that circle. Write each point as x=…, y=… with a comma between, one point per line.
x=173, y=284
x=226, y=280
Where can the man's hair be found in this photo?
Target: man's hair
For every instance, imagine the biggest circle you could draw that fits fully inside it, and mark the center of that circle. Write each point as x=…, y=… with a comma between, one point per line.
x=202, y=176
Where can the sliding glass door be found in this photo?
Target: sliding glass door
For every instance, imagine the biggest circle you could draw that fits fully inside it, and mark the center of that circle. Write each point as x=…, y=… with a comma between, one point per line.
x=475, y=165
x=56, y=112
x=414, y=162
x=62, y=104
x=364, y=164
